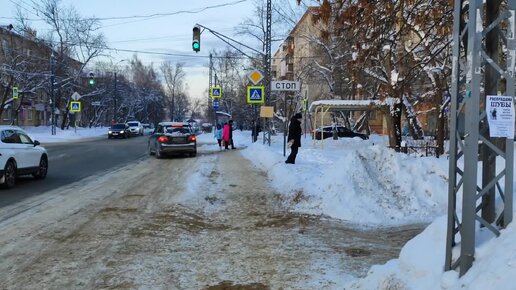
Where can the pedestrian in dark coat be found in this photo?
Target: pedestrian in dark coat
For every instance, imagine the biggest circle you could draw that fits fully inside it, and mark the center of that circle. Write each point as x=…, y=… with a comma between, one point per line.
x=231, y=134
x=294, y=137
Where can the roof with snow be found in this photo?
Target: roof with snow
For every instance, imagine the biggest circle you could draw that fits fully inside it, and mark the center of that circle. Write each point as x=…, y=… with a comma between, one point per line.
x=336, y=105
x=223, y=113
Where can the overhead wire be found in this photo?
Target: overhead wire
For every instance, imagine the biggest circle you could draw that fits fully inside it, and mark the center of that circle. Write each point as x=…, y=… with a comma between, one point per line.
x=145, y=17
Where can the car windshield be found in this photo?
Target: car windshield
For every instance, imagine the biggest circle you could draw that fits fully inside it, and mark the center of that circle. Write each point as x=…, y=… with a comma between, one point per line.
x=133, y=124
x=118, y=126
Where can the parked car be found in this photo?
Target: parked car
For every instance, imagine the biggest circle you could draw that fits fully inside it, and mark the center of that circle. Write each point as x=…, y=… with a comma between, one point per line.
x=172, y=137
x=135, y=127
x=119, y=131
x=342, y=132
x=19, y=155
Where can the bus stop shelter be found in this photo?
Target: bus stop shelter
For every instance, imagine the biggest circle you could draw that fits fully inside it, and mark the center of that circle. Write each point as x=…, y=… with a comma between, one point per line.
x=323, y=107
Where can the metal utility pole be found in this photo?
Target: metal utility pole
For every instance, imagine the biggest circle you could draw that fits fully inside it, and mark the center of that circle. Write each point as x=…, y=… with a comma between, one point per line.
x=267, y=56
x=210, y=101
x=473, y=54
x=114, y=100
x=267, y=130
x=52, y=97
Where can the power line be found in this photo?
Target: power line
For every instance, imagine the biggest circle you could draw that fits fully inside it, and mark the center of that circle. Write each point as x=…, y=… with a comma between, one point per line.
x=146, y=17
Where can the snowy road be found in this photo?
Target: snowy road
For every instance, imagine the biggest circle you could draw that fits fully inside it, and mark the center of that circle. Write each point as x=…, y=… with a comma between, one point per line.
x=181, y=223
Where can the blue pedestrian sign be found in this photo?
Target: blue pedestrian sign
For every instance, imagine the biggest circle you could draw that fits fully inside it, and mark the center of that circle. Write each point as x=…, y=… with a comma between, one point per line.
x=216, y=104
x=216, y=92
x=75, y=107
x=255, y=95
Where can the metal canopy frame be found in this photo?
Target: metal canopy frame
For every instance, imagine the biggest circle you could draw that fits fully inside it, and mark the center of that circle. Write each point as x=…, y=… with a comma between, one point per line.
x=349, y=105
x=467, y=81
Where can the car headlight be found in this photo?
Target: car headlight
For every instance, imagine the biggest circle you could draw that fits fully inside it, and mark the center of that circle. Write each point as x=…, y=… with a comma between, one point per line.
x=121, y=131
x=110, y=132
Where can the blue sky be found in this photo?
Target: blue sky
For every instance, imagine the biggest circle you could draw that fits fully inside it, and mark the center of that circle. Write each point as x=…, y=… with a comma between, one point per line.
x=171, y=34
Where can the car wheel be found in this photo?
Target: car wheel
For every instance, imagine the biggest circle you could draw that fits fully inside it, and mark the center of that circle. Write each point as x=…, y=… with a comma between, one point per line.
x=193, y=154
x=43, y=169
x=150, y=151
x=9, y=175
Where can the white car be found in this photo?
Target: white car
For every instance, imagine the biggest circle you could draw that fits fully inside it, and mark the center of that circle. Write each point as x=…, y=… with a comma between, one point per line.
x=19, y=155
x=135, y=127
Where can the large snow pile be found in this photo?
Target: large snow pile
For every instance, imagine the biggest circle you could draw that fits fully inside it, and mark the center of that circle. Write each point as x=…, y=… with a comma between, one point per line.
x=349, y=177
x=421, y=262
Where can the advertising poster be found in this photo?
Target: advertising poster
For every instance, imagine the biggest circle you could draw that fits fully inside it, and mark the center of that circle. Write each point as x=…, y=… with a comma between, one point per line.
x=500, y=115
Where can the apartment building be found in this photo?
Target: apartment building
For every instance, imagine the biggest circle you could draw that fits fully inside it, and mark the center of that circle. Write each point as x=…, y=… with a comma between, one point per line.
x=294, y=57
x=25, y=64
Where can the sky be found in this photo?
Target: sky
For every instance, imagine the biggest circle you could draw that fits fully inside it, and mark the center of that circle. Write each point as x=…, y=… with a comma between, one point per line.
x=164, y=34
x=348, y=177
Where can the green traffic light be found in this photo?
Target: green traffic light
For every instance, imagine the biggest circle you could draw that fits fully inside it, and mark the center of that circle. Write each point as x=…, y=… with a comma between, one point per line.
x=92, y=82
x=196, y=46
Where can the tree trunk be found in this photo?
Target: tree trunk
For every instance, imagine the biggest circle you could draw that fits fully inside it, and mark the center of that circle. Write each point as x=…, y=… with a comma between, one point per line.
x=393, y=118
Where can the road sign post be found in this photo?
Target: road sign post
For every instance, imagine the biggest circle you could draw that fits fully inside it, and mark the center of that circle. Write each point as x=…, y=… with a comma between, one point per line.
x=75, y=107
x=216, y=104
x=15, y=93
x=285, y=86
x=255, y=94
x=216, y=92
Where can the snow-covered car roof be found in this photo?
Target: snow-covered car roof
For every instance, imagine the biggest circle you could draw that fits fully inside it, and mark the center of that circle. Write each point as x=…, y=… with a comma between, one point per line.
x=346, y=104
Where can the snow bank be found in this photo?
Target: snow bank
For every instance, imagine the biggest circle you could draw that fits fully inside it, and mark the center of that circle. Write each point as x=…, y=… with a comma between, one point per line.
x=351, y=176
x=421, y=262
x=43, y=134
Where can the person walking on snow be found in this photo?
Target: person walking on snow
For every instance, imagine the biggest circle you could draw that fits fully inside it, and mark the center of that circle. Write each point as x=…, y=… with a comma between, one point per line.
x=231, y=134
x=294, y=137
x=226, y=137
x=218, y=135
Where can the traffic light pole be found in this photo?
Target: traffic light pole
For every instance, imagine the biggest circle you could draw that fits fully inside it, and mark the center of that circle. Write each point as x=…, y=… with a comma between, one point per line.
x=266, y=54
x=52, y=98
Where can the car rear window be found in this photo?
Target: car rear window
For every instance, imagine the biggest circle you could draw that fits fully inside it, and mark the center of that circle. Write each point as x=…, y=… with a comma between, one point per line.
x=178, y=130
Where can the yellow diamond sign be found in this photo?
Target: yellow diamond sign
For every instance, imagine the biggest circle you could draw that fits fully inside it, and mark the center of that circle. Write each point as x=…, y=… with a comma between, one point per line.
x=255, y=76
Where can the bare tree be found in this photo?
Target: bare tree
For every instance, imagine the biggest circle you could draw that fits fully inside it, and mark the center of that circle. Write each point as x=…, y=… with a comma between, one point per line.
x=75, y=41
x=174, y=76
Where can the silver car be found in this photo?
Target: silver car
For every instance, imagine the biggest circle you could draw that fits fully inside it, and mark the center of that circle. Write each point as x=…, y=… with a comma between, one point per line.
x=135, y=127
x=172, y=137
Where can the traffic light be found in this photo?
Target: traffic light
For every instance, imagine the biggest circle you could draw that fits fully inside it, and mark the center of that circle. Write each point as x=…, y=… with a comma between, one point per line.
x=92, y=81
x=196, y=42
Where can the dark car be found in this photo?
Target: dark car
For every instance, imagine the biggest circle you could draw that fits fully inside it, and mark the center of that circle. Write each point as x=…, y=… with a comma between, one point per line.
x=171, y=138
x=342, y=132
x=119, y=131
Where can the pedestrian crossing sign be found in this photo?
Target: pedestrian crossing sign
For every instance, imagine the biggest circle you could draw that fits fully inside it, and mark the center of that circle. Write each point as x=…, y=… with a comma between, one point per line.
x=216, y=92
x=75, y=107
x=15, y=93
x=255, y=95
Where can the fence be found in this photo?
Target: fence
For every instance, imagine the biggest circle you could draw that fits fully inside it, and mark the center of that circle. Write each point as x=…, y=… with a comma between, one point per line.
x=426, y=147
